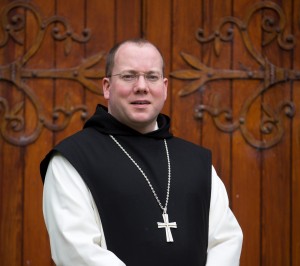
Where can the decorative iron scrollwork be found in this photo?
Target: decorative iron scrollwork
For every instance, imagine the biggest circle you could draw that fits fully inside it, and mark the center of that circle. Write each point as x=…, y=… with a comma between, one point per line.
x=271, y=124
x=13, y=23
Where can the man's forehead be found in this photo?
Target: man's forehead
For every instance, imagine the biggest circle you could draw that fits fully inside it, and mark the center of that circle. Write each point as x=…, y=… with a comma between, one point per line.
x=128, y=46
x=135, y=53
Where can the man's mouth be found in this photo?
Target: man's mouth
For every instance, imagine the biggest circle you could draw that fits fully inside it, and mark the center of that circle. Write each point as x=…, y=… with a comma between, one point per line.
x=140, y=102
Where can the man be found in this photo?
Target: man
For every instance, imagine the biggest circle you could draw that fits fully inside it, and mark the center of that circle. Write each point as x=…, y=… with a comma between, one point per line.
x=124, y=191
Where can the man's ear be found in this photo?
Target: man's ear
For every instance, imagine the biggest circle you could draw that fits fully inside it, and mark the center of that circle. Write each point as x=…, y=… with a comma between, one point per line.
x=106, y=87
x=166, y=87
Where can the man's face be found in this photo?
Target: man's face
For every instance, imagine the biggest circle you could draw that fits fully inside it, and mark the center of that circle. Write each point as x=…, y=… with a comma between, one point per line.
x=136, y=103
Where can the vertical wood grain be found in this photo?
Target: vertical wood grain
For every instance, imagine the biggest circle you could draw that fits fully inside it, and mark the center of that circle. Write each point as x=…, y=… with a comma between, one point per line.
x=11, y=203
x=157, y=28
x=276, y=164
x=11, y=172
x=36, y=247
x=217, y=141
x=295, y=144
x=186, y=16
x=128, y=19
x=69, y=92
x=102, y=22
x=246, y=172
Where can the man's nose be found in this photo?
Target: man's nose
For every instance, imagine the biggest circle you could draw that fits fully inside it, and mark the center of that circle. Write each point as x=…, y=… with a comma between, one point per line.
x=141, y=84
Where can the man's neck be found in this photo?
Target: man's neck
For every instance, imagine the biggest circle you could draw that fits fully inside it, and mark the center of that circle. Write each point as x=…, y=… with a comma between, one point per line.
x=145, y=129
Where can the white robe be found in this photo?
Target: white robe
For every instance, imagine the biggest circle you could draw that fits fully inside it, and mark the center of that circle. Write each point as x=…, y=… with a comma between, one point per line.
x=76, y=233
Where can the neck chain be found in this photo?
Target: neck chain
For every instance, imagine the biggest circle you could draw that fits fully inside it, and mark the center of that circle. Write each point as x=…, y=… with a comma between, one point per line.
x=166, y=224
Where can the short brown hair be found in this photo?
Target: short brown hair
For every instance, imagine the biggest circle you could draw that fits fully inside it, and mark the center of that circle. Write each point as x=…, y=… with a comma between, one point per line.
x=110, y=60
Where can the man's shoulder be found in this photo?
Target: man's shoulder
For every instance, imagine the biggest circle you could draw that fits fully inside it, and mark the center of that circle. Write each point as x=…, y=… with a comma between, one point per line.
x=188, y=147
x=188, y=144
x=83, y=136
x=75, y=147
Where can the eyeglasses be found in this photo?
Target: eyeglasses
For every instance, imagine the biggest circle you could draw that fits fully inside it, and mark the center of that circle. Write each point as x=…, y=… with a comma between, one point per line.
x=131, y=77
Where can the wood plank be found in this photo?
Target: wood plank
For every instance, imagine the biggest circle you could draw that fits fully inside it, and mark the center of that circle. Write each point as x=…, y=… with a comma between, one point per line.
x=11, y=205
x=295, y=145
x=186, y=15
x=102, y=23
x=217, y=94
x=11, y=166
x=246, y=163
x=276, y=183
x=157, y=29
x=128, y=19
x=69, y=93
x=35, y=233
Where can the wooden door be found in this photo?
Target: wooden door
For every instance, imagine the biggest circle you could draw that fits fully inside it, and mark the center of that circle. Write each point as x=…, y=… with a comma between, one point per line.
x=234, y=70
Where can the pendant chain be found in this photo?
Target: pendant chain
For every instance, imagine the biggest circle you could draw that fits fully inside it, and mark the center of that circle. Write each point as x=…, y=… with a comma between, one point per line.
x=164, y=209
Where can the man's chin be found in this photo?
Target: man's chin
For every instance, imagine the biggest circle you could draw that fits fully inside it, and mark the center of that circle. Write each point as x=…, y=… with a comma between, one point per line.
x=143, y=123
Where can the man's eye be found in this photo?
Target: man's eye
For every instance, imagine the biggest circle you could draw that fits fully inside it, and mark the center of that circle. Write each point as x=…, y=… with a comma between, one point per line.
x=128, y=77
x=152, y=77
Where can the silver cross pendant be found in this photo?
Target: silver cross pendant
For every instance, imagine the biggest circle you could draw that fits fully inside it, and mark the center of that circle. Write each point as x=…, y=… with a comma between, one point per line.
x=167, y=225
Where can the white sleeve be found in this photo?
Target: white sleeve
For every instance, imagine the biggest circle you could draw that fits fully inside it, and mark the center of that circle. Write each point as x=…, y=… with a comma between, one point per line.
x=225, y=235
x=72, y=220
